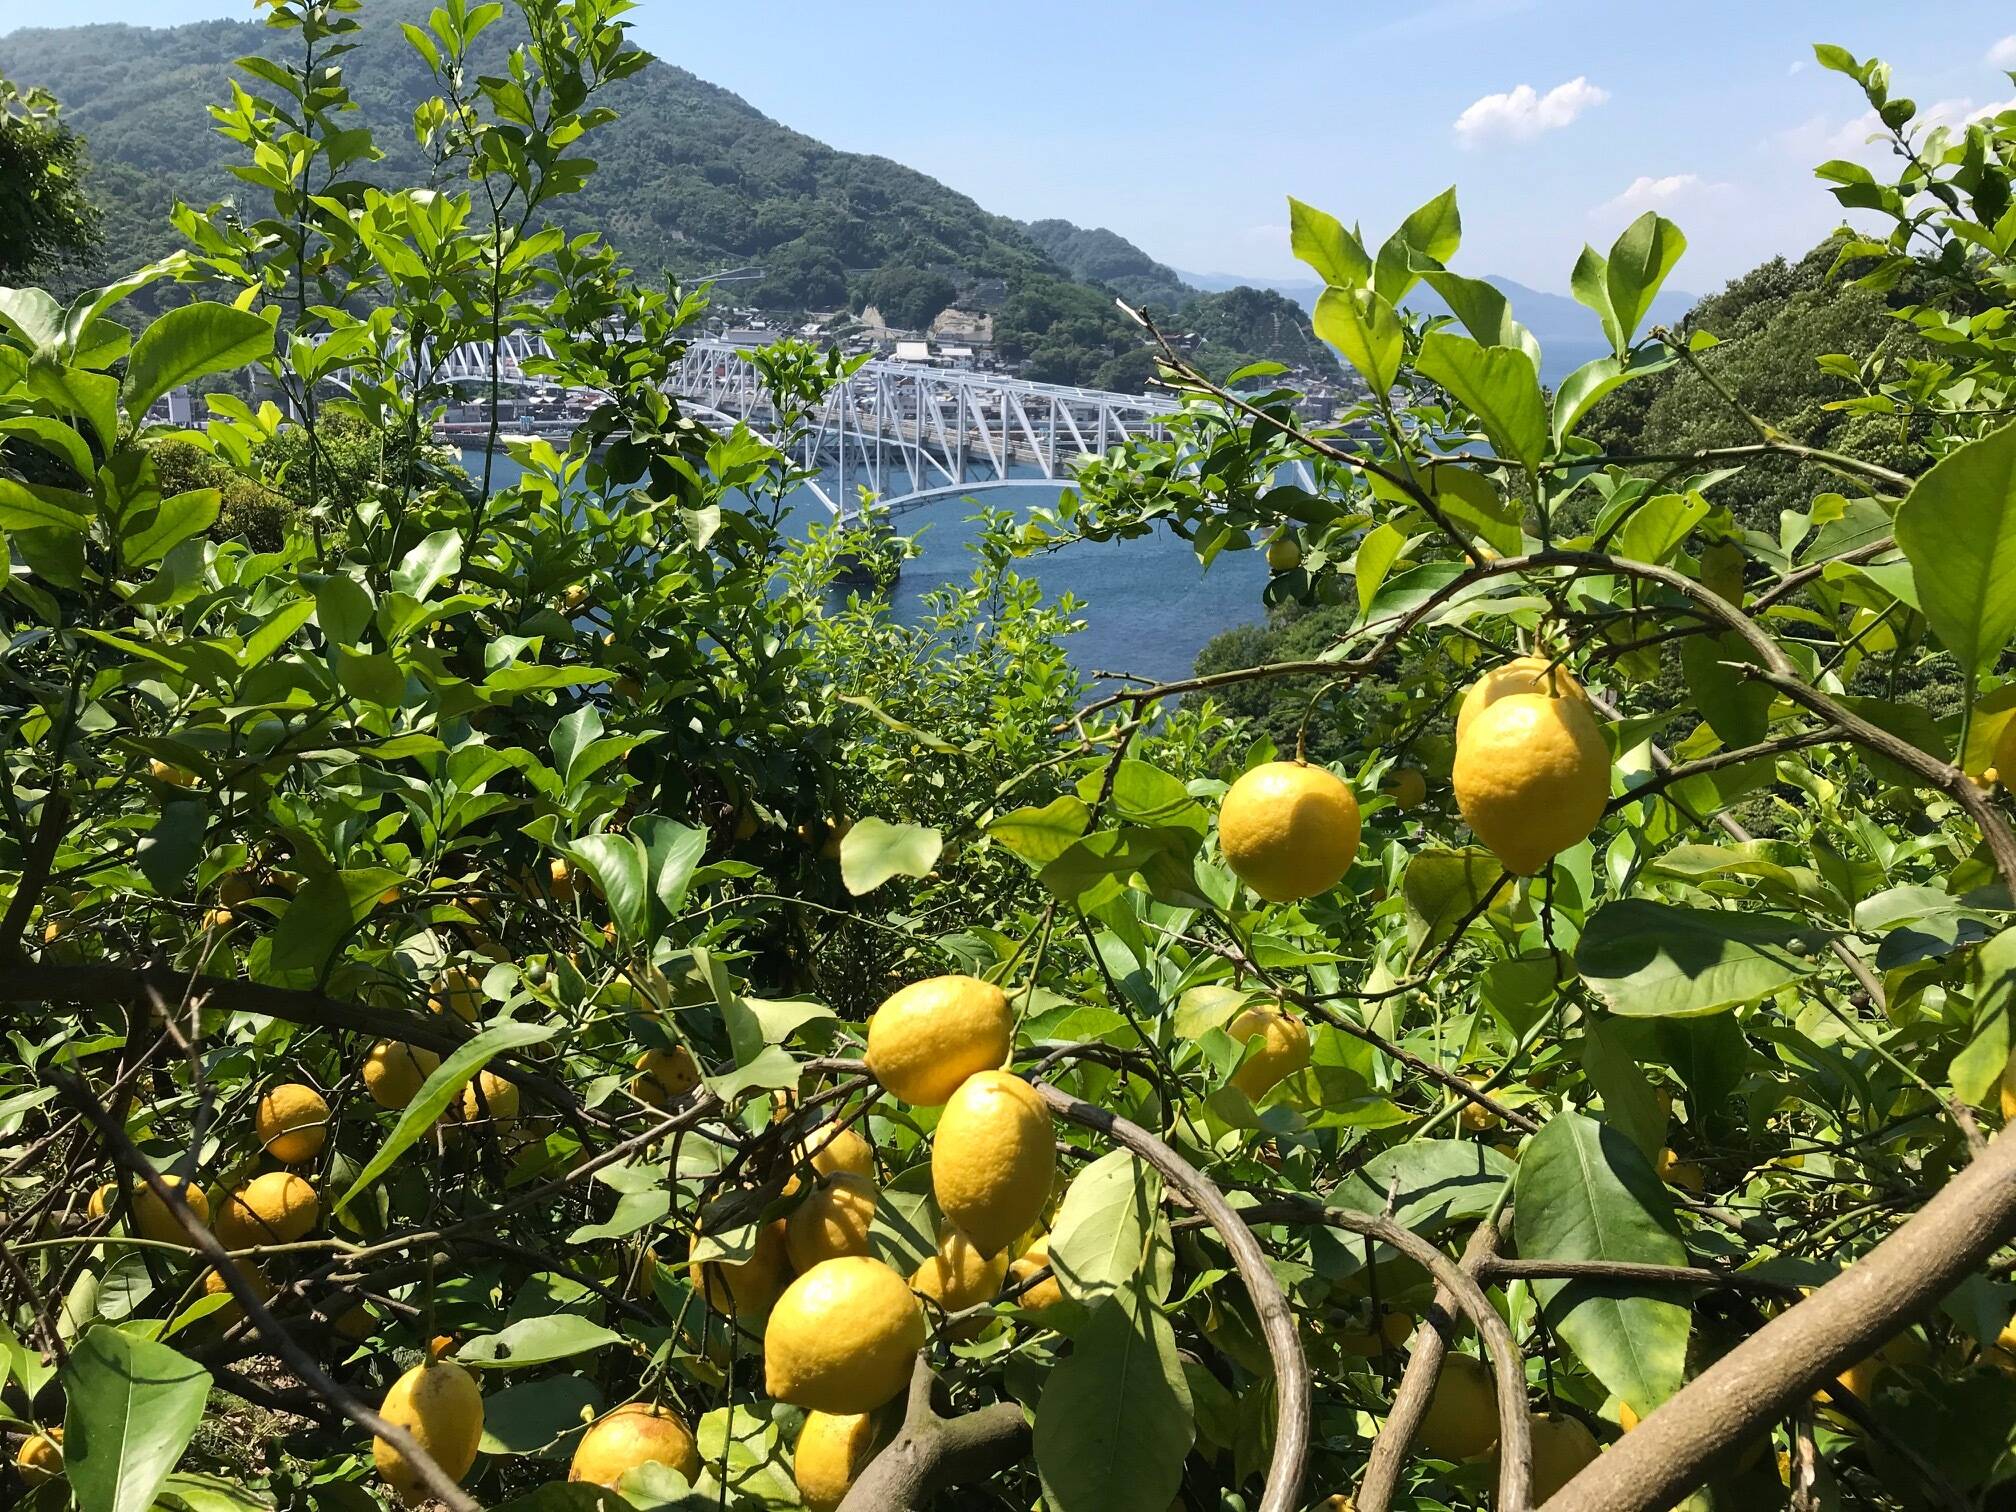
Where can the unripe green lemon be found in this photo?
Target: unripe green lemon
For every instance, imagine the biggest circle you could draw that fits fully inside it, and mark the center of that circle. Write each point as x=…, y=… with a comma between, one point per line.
x=1284, y=1047
x=1522, y=674
x=440, y=1405
x=1462, y=1417
x=832, y=1222
x=1532, y=777
x=843, y=1337
x=293, y=1123
x=832, y=1448
x=1288, y=830
x=1284, y=553
x=992, y=1159
x=929, y=1037
x=636, y=1433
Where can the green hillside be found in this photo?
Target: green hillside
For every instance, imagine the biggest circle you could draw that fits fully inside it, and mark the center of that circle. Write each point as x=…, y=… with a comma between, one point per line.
x=1097, y=255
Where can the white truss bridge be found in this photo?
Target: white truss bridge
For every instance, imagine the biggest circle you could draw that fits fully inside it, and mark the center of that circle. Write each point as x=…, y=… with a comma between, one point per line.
x=905, y=432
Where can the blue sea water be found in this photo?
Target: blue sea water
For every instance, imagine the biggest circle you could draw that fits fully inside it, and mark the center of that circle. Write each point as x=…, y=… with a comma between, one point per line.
x=1148, y=607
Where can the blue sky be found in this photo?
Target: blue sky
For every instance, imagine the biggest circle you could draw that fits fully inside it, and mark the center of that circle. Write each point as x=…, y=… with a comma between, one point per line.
x=1182, y=124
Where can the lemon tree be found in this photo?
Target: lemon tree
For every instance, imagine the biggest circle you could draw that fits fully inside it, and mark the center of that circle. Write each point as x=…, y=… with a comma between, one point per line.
x=531, y=995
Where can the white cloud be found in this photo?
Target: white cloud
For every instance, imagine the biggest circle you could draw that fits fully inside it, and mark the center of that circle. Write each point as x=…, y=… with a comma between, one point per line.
x=1798, y=67
x=1649, y=193
x=1524, y=113
x=2003, y=53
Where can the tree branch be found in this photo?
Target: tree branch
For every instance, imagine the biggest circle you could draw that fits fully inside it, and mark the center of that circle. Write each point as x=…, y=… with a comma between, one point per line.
x=931, y=1453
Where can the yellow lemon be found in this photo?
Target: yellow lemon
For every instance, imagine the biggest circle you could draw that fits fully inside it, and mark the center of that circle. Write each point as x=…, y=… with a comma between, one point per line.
x=174, y=776
x=1288, y=830
x=832, y=1222
x=292, y=1122
x=1338, y=1503
x=460, y=992
x=1477, y=1118
x=498, y=1101
x=1562, y=1449
x=1283, y=1050
x=151, y=1218
x=746, y=1288
x=40, y=1457
x=1406, y=787
x=1677, y=1172
x=832, y=1150
x=992, y=1159
x=440, y=1405
x=832, y=1448
x=1045, y=1293
x=665, y=1076
x=929, y=1037
x=843, y=1337
x=636, y=1433
x=1523, y=674
x=1462, y=1418
x=1532, y=778
x=1627, y=1416
x=215, y=1285
x=276, y=1208
x=959, y=1277
x=394, y=1072
x=101, y=1201
x=2008, y=1085
x=1284, y=553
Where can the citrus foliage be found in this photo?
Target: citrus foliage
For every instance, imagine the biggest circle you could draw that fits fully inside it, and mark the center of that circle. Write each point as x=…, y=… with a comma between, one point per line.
x=468, y=914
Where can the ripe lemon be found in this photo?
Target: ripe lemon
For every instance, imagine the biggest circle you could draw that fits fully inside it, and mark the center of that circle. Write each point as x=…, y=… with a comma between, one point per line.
x=1475, y=1117
x=959, y=1277
x=292, y=1122
x=746, y=1289
x=843, y=1337
x=1677, y=1172
x=992, y=1159
x=1284, y=553
x=1288, y=830
x=394, y=1072
x=101, y=1201
x=1532, y=777
x=276, y=1208
x=1562, y=1449
x=837, y=1151
x=2005, y=754
x=173, y=775
x=440, y=1405
x=1627, y=1416
x=1338, y=1503
x=929, y=1037
x=832, y=1222
x=1462, y=1418
x=1284, y=1047
x=2008, y=1088
x=499, y=1100
x=151, y=1219
x=1523, y=674
x=460, y=992
x=832, y=1448
x=636, y=1433
x=665, y=1076
x=1045, y=1293
x=1406, y=787
x=40, y=1457
x=214, y=1285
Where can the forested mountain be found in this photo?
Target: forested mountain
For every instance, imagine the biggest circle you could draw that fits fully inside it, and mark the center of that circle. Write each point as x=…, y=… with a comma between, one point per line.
x=1098, y=255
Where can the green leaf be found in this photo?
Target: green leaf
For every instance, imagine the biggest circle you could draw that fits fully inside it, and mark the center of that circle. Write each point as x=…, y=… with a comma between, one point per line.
x=1472, y=501
x=1499, y=385
x=1440, y=886
x=1958, y=529
x=53, y=437
x=1590, y=284
x=1100, y=1240
x=37, y=506
x=1041, y=835
x=1426, y=239
x=1653, y=960
x=324, y=912
x=1977, y=1070
x=1639, y=262
x=93, y=396
x=343, y=608
x=1377, y=552
x=1363, y=326
x=1583, y=1192
x=672, y=852
x=131, y=1406
x=169, y=851
x=1737, y=708
x=1428, y=1183
x=190, y=343
x=1485, y=312
x=429, y=564
x=1145, y=794
x=617, y=863
x=150, y=536
x=528, y=1418
x=536, y=1341
x=1320, y=240
x=1114, y=1421
x=875, y=850
x=440, y=1089
x=1629, y=1104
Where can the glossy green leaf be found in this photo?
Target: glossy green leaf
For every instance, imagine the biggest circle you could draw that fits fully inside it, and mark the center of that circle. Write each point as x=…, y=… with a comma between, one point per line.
x=531, y=1417
x=536, y=1341
x=1584, y=1192
x=1424, y=241
x=1363, y=326
x=1651, y=960
x=1101, y=1238
x=151, y=536
x=1441, y=886
x=1114, y=1421
x=1427, y=1183
x=617, y=864
x=169, y=851
x=324, y=912
x=1321, y=241
x=875, y=850
x=131, y=1406
x=191, y=342
x=1041, y=835
x=1499, y=385
x=1958, y=529
x=1485, y=312
x=1637, y=267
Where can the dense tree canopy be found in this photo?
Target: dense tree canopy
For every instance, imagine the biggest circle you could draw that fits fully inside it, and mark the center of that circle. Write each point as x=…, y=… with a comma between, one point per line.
x=45, y=218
